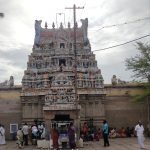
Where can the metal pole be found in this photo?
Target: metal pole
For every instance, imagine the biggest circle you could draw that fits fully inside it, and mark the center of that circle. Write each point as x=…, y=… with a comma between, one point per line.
x=75, y=52
x=75, y=55
x=148, y=109
x=56, y=21
x=75, y=67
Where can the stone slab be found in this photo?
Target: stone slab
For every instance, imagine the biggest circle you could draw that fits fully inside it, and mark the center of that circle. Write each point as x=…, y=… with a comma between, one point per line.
x=115, y=144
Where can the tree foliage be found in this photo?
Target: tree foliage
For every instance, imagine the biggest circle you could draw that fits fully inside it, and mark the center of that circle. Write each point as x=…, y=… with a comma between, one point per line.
x=140, y=64
x=141, y=97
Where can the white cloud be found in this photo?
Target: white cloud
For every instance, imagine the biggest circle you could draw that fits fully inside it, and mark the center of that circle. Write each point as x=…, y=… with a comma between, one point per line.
x=17, y=31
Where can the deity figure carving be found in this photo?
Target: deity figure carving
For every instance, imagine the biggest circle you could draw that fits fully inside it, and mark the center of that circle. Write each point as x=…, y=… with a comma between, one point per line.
x=68, y=24
x=61, y=25
x=53, y=25
x=101, y=79
x=62, y=95
x=37, y=32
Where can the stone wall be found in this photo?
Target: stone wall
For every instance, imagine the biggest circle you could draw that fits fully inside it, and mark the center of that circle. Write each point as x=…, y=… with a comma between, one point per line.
x=92, y=107
x=32, y=108
x=121, y=109
x=10, y=108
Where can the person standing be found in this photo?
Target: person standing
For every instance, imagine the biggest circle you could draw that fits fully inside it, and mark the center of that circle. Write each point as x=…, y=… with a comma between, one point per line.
x=40, y=129
x=34, y=131
x=2, y=135
x=139, y=129
x=25, y=130
x=43, y=133
x=105, y=129
x=71, y=135
x=85, y=131
x=55, y=136
x=20, y=138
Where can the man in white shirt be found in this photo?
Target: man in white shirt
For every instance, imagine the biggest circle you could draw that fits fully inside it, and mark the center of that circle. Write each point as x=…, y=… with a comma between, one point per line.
x=40, y=129
x=140, y=136
x=25, y=130
x=2, y=135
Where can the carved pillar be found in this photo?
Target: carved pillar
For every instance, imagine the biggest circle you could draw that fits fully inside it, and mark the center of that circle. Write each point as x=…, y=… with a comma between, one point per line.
x=24, y=109
x=96, y=109
x=32, y=108
x=90, y=109
x=86, y=109
x=102, y=109
x=38, y=110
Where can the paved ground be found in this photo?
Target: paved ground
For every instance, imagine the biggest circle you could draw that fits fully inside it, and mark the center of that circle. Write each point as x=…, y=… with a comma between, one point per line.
x=115, y=144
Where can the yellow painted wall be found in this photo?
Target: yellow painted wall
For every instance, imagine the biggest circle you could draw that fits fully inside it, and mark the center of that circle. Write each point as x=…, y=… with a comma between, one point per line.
x=9, y=95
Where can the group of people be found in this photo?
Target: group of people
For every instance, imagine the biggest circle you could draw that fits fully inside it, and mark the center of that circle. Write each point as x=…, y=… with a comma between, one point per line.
x=106, y=132
x=86, y=135
x=122, y=132
x=35, y=131
x=2, y=135
x=71, y=136
x=139, y=132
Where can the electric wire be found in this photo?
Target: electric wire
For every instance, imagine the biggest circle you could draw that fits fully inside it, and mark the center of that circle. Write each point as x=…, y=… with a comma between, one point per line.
x=129, y=22
x=124, y=23
x=102, y=49
x=83, y=10
x=78, y=20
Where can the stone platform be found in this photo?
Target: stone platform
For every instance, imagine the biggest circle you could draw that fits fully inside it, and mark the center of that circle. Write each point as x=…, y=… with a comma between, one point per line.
x=115, y=144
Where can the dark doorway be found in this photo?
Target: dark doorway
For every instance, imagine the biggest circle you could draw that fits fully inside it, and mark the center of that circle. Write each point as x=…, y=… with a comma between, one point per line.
x=62, y=45
x=62, y=117
x=62, y=62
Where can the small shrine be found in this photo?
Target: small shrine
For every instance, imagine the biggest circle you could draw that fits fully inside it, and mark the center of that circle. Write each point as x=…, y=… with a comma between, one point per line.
x=7, y=83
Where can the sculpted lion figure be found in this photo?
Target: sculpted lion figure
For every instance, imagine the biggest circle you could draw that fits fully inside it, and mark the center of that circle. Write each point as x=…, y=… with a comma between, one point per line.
x=114, y=80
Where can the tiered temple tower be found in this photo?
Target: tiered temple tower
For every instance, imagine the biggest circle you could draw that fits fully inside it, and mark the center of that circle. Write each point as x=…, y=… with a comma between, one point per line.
x=48, y=92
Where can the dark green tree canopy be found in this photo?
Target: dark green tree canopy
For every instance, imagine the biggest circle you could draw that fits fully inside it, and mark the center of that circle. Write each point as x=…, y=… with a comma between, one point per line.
x=140, y=64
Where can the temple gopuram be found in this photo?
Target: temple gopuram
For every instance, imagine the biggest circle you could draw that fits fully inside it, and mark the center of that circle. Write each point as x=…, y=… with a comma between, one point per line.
x=48, y=84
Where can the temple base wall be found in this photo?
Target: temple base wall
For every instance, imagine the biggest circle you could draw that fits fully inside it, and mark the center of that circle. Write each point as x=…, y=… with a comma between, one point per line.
x=117, y=107
x=121, y=111
x=10, y=109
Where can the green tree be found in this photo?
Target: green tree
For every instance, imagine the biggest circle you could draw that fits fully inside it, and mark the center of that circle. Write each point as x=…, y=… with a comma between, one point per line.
x=140, y=64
